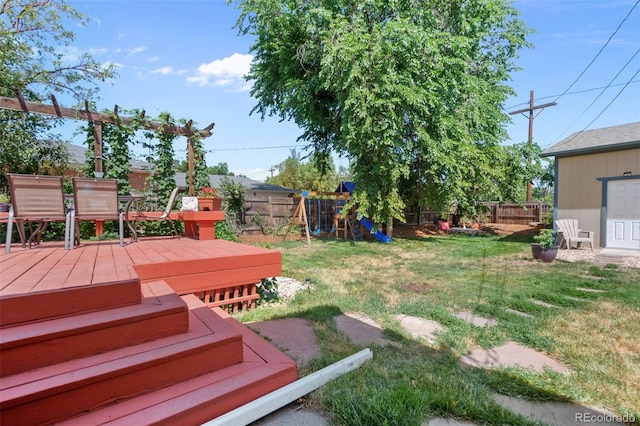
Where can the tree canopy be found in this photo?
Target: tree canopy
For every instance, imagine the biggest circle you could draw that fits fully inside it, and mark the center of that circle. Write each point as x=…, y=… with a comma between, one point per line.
x=294, y=173
x=32, y=60
x=410, y=91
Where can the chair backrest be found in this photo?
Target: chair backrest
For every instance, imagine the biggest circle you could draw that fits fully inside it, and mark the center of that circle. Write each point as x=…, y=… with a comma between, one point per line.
x=95, y=198
x=35, y=197
x=569, y=227
x=172, y=200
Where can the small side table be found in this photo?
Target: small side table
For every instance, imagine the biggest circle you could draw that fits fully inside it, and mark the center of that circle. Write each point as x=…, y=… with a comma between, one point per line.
x=200, y=225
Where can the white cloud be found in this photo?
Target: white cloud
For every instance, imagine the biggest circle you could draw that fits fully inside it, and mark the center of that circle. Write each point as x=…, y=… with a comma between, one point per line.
x=154, y=59
x=228, y=72
x=167, y=71
x=136, y=50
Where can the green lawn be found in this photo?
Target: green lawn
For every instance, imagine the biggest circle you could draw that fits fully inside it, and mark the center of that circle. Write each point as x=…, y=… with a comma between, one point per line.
x=597, y=335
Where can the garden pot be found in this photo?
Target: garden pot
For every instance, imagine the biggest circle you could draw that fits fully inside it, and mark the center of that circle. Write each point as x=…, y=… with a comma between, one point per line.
x=549, y=255
x=209, y=204
x=536, y=249
x=4, y=207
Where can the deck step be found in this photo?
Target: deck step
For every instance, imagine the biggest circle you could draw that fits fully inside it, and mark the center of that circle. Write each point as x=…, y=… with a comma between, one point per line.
x=60, y=391
x=264, y=369
x=38, y=344
x=42, y=305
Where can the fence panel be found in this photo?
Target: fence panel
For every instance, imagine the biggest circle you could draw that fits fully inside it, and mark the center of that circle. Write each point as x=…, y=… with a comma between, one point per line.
x=271, y=211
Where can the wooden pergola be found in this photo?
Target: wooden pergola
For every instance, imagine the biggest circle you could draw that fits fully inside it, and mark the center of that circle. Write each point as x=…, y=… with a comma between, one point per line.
x=97, y=118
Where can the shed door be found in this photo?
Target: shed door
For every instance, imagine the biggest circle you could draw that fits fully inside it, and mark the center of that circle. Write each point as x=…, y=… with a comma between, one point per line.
x=623, y=214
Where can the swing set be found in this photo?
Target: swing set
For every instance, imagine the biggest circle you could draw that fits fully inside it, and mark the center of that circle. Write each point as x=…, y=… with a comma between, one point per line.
x=322, y=212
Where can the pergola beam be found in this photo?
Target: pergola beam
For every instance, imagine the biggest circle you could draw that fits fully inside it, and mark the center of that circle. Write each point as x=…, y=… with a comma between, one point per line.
x=20, y=104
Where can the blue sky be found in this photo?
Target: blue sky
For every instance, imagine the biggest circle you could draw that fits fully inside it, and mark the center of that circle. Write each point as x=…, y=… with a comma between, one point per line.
x=185, y=58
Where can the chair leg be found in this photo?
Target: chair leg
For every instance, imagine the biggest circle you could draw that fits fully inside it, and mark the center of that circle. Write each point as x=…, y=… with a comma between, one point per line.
x=7, y=247
x=121, y=229
x=173, y=226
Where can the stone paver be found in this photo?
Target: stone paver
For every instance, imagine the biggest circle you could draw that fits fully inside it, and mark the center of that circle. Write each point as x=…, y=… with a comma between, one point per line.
x=293, y=335
x=512, y=355
x=520, y=313
x=439, y=421
x=476, y=320
x=558, y=413
x=545, y=304
x=420, y=328
x=361, y=329
x=590, y=290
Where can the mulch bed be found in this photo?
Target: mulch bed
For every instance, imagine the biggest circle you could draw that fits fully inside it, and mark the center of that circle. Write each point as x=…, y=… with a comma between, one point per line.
x=401, y=231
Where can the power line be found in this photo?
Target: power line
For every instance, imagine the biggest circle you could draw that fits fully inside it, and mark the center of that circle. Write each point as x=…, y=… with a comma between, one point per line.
x=600, y=94
x=605, y=108
x=576, y=92
x=254, y=148
x=598, y=54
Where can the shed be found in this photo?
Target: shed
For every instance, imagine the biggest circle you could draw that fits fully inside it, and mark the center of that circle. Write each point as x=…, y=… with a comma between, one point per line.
x=597, y=181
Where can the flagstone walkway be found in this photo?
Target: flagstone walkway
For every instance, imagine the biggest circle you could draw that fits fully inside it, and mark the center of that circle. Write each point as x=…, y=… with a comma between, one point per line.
x=296, y=338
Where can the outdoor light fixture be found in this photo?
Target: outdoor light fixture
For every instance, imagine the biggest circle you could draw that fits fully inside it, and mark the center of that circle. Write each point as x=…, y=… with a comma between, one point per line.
x=626, y=174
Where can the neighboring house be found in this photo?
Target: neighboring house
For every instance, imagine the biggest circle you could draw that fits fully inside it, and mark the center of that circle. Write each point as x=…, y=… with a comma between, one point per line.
x=138, y=173
x=597, y=181
x=253, y=188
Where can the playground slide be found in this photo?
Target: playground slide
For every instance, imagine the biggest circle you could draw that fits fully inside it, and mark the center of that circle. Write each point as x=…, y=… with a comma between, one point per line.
x=378, y=234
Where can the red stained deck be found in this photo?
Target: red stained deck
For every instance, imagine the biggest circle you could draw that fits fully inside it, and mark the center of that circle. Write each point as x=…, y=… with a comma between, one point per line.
x=174, y=260
x=99, y=332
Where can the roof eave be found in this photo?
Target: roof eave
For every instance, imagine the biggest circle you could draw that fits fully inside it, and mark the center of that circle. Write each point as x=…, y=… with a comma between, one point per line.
x=592, y=149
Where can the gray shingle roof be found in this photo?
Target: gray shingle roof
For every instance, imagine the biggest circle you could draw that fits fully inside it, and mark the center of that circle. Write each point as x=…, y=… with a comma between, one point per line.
x=606, y=139
x=254, y=185
x=77, y=156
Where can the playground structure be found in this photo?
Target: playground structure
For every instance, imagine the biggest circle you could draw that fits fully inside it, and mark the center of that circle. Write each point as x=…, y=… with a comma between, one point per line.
x=322, y=213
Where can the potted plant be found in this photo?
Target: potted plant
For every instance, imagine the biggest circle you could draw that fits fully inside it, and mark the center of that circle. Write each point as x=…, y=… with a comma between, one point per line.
x=208, y=199
x=545, y=247
x=4, y=202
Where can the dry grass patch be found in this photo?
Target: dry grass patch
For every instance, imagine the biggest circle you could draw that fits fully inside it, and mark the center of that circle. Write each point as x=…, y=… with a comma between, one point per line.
x=602, y=344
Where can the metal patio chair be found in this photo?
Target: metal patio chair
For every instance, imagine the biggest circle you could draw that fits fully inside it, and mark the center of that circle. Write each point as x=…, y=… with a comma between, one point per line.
x=165, y=215
x=34, y=199
x=94, y=199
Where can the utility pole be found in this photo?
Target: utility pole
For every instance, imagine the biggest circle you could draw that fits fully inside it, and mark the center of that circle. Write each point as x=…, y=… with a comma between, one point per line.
x=531, y=108
x=272, y=169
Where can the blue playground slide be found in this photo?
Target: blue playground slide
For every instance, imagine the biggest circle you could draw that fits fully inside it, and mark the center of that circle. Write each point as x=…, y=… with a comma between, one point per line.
x=378, y=234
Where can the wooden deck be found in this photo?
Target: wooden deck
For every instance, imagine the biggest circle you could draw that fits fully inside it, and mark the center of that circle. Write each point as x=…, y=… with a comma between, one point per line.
x=187, y=265
x=104, y=333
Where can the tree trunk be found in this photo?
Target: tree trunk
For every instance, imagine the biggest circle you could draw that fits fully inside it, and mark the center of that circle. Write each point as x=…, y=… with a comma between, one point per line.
x=390, y=227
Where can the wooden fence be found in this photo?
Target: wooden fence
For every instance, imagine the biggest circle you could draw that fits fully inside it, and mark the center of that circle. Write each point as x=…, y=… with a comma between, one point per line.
x=277, y=211
x=521, y=214
x=271, y=211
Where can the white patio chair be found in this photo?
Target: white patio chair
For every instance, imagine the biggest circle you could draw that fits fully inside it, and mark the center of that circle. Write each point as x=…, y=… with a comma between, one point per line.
x=571, y=233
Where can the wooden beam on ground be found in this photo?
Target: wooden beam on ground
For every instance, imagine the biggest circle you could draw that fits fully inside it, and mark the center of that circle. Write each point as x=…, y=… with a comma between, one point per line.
x=271, y=402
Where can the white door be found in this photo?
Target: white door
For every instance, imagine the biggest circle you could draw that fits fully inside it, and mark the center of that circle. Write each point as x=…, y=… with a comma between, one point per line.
x=623, y=214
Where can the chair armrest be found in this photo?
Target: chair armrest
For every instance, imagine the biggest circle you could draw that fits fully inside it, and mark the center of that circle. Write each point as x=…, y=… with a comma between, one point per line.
x=589, y=233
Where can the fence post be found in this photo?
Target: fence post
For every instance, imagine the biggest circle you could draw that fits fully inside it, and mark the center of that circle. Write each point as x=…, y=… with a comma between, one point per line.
x=271, y=213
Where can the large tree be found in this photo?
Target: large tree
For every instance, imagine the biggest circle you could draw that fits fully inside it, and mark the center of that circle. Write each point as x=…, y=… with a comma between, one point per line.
x=407, y=90
x=32, y=60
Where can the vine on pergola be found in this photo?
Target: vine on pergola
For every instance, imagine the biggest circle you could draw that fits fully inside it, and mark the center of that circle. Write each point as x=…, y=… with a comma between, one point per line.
x=96, y=119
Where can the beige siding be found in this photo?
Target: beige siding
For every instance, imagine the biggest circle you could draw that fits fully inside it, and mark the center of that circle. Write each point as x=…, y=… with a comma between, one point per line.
x=579, y=191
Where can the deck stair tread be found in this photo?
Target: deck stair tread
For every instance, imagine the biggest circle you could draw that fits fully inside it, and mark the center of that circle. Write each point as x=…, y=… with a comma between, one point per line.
x=263, y=370
x=90, y=382
x=19, y=308
x=37, y=344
